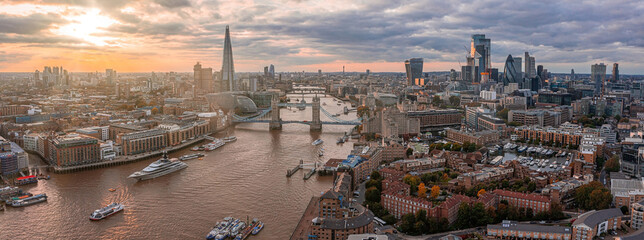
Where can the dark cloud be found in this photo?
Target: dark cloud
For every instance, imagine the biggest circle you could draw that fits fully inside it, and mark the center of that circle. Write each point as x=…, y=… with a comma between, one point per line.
x=173, y=3
x=30, y=24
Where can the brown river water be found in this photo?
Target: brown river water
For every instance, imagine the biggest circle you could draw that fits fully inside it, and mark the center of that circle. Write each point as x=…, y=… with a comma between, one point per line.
x=246, y=178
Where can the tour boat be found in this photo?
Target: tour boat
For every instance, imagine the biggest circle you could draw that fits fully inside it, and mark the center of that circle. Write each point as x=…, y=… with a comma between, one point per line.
x=107, y=211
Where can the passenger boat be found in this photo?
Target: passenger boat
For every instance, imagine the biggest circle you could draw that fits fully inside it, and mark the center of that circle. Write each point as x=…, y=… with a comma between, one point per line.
x=219, y=228
x=159, y=168
x=229, y=139
x=107, y=211
x=191, y=156
x=29, y=201
x=258, y=228
x=317, y=142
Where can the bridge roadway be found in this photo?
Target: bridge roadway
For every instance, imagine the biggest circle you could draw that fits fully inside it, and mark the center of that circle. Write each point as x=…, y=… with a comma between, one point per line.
x=300, y=122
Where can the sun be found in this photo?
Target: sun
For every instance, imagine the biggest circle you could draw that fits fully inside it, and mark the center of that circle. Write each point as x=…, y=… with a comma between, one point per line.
x=88, y=27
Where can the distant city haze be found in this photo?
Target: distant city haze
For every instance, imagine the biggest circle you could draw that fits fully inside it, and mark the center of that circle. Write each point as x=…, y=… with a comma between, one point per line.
x=295, y=36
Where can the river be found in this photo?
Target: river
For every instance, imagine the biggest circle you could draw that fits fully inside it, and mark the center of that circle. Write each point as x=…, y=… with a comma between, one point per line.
x=242, y=179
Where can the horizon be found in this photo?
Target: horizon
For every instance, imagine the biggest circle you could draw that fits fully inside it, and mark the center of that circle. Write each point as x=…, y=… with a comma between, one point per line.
x=164, y=36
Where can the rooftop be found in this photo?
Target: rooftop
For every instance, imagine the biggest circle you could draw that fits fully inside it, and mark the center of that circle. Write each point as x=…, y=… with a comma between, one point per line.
x=592, y=218
x=512, y=225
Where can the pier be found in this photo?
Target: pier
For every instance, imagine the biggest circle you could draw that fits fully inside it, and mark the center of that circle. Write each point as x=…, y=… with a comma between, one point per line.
x=302, y=165
x=290, y=173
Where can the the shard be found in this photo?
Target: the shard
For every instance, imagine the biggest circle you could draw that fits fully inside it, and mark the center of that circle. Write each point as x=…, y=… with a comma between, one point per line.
x=228, y=67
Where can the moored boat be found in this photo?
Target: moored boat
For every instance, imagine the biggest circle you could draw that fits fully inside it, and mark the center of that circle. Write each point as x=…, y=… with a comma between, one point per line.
x=191, y=156
x=29, y=201
x=159, y=168
x=258, y=228
x=317, y=142
x=229, y=139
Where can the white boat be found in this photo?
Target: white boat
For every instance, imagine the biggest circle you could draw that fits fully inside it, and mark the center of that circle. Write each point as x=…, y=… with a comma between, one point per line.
x=107, y=211
x=191, y=156
x=321, y=152
x=159, y=168
x=317, y=142
x=229, y=139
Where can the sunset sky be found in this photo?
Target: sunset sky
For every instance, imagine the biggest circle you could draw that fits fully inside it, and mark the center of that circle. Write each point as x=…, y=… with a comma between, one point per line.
x=307, y=35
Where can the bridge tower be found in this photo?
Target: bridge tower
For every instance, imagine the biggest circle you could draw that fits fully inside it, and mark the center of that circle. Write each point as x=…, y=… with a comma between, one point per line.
x=276, y=122
x=316, y=125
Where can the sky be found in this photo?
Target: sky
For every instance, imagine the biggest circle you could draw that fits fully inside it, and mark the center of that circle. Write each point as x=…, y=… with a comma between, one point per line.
x=307, y=35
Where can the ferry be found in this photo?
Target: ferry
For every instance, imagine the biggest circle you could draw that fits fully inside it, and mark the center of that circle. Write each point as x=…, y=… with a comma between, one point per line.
x=26, y=180
x=29, y=200
x=317, y=142
x=229, y=139
x=258, y=228
x=191, y=156
x=219, y=228
x=107, y=211
x=214, y=145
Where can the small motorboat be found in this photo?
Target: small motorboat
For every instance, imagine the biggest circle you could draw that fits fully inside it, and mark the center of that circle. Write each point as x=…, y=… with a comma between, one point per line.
x=111, y=189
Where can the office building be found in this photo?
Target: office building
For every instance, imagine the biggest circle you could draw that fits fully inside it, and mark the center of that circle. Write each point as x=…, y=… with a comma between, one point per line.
x=437, y=119
x=482, y=46
x=110, y=76
x=517, y=64
x=142, y=141
x=615, y=73
x=414, y=68
x=530, y=71
x=510, y=73
x=228, y=67
x=73, y=149
x=203, y=79
x=598, y=77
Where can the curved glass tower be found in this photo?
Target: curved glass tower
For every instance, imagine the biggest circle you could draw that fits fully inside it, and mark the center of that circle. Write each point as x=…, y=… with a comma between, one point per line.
x=510, y=74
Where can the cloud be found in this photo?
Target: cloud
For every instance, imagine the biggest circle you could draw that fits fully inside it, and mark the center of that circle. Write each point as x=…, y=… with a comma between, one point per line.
x=30, y=24
x=294, y=33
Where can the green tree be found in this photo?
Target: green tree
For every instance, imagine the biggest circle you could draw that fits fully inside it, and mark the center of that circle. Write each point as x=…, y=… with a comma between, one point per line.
x=455, y=101
x=409, y=152
x=407, y=223
x=593, y=196
x=624, y=210
x=503, y=114
x=372, y=194
x=375, y=175
x=613, y=164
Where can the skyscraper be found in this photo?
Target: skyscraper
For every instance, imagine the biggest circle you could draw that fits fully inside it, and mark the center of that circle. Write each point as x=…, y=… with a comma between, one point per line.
x=228, y=67
x=517, y=65
x=530, y=70
x=572, y=74
x=615, y=72
x=598, y=76
x=271, y=71
x=414, y=69
x=203, y=79
x=484, y=50
x=510, y=74
x=109, y=76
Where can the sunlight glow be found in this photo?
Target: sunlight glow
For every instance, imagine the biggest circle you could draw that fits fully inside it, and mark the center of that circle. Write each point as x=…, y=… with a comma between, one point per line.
x=88, y=27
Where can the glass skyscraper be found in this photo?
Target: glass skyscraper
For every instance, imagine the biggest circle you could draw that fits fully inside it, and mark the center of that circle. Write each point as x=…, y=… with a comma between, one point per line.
x=414, y=68
x=228, y=67
x=598, y=76
x=510, y=74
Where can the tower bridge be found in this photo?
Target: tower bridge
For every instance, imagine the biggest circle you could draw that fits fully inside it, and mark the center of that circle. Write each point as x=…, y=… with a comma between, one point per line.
x=275, y=122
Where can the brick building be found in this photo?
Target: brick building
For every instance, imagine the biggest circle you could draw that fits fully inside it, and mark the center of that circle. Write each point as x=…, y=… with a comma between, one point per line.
x=594, y=223
x=538, y=203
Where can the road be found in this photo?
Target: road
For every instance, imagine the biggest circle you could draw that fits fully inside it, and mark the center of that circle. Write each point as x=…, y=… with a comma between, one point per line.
x=438, y=235
x=362, y=190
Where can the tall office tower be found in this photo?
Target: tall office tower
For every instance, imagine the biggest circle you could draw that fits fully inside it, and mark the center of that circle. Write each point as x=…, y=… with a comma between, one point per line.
x=266, y=71
x=228, y=68
x=342, y=70
x=414, y=69
x=598, y=77
x=203, y=79
x=271, y=71
x=530, y=70
x=572, y=74
x=517, y=65
x=479, y=39
x=452, y=75
x=109, y=76
x=615, y=72
x=319, y=72
x=37, y=76
x=510, y=73
x=494, y=74
x=540, y=71
x=368, y=72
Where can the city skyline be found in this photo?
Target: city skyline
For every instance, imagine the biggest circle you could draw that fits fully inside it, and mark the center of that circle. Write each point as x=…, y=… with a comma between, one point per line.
x=144, y=36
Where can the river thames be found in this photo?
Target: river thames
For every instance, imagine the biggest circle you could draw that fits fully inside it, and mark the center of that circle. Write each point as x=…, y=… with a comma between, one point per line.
x=242, y=179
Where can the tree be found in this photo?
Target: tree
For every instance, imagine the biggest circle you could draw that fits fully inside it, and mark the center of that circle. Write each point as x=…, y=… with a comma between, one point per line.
x=372, y=194
x=422, y=190
x=624, y=210
x=154, y=111
x=481, y=192
x=613, y=164
x=374, y=183
x=471, y=147
x=375, y=175
x=407, y=223
x=409, y=152
x=362, y=111
x=437, y=100
x=436, y=190
x=454, y=100
x=503, y=114
x=593, y=196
